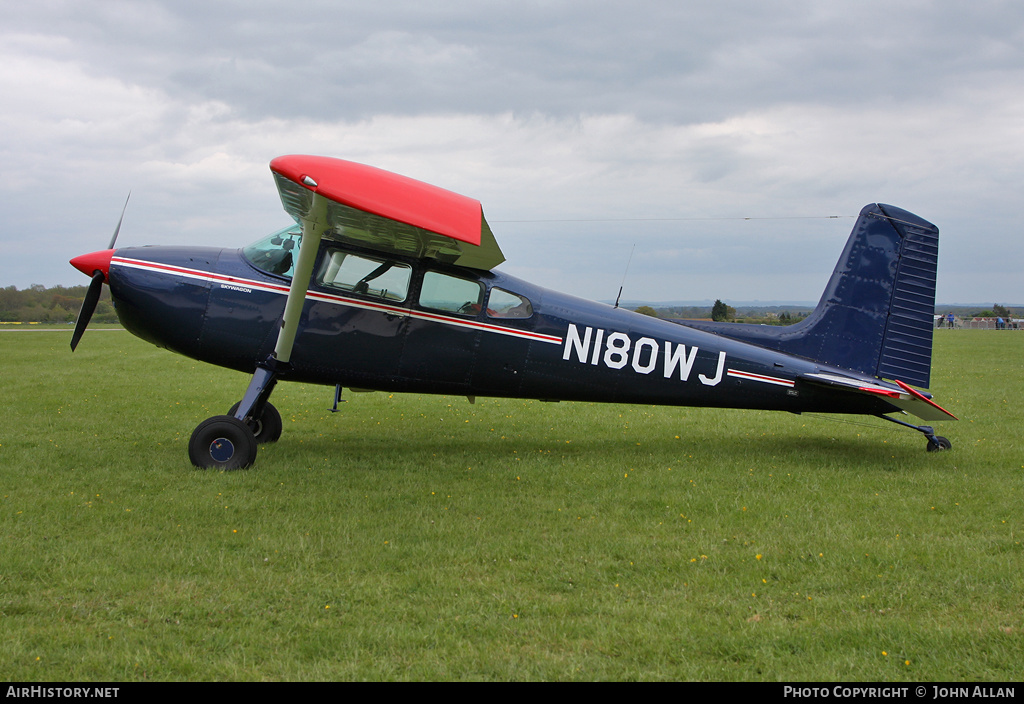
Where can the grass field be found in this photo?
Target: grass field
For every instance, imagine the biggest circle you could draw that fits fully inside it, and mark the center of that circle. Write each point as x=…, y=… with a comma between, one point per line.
x=413, y=537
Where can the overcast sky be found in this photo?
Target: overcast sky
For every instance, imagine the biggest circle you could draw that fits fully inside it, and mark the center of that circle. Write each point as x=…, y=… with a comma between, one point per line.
x=584, y=128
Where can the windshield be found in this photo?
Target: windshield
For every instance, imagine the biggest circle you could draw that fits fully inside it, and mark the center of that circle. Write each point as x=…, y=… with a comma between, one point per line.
x=276, y=253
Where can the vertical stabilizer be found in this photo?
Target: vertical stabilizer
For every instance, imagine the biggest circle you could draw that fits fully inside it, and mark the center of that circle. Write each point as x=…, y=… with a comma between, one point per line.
x=876, y=315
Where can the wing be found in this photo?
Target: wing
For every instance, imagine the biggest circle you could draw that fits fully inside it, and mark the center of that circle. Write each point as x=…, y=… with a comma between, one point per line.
x=901, y=395
x=380, y=210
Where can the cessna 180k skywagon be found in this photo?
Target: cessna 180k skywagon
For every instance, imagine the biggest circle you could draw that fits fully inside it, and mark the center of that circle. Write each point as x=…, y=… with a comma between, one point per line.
x=387, y=283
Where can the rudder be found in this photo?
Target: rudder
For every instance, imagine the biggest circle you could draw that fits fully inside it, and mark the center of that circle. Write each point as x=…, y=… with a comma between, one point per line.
x=907, y=344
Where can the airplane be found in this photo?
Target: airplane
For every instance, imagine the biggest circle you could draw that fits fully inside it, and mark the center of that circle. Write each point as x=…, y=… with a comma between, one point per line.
x=386, y=283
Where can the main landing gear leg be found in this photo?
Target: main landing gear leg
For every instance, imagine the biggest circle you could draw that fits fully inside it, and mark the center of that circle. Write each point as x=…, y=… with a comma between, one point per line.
x=230, y=441
x=936, y=443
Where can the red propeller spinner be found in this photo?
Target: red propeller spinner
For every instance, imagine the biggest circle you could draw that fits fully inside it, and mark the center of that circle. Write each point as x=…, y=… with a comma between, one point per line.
x=90, y=263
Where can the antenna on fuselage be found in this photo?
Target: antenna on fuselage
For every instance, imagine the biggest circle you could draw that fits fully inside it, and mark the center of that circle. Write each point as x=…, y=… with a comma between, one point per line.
x=624, y=275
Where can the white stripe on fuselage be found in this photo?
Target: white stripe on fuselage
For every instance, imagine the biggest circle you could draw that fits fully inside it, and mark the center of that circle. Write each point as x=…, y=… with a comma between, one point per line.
x=618, y=351
x=235, y=283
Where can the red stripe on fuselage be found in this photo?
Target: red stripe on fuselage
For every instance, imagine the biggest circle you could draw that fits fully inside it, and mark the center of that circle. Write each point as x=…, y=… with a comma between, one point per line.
x=212, y=277
x=760, y=377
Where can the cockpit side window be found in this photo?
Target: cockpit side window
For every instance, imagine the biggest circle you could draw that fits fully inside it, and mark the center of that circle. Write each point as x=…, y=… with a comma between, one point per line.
x=505, y=304
x=366, y=276
x=276, y=253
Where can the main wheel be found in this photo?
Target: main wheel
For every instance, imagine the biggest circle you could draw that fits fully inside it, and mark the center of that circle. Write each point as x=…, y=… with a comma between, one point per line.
x=222, y=442
x=266, y=428
x=939, y=444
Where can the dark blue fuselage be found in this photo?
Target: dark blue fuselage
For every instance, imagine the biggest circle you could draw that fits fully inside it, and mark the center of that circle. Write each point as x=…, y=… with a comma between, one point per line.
x=216, y=306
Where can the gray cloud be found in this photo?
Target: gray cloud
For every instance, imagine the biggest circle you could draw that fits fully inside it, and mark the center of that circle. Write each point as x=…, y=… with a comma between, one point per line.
x=661, y=61
x=544, y=111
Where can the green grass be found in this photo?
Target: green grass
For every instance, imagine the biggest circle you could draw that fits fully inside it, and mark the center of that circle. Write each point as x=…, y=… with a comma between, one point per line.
x=416, y=537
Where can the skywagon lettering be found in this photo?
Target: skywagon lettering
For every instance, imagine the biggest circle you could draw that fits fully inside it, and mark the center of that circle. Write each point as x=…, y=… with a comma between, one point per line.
x=619, y=350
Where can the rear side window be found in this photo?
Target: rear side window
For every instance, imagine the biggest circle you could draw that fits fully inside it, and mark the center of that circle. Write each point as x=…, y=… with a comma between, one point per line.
x=451, y=294
x=366, y=276
x=505, y=304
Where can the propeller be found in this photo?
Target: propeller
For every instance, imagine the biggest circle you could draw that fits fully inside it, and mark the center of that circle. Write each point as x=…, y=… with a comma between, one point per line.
x=96, y=265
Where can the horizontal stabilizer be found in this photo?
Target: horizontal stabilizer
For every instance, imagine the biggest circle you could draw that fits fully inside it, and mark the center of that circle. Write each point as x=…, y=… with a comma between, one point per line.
x=899, y=394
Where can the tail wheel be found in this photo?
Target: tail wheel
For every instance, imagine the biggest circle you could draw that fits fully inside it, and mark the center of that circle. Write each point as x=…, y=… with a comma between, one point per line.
x=939, y=444
x=266, y=428
x=222, y=442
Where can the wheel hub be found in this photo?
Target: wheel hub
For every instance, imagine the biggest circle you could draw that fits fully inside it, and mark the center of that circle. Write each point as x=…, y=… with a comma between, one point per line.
x=222, y=450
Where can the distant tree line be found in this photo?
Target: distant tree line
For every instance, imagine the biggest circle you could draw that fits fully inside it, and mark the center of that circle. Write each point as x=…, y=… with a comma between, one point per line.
x=997, y=311
x=787, y=315
x=720, y=311
x=60, y=304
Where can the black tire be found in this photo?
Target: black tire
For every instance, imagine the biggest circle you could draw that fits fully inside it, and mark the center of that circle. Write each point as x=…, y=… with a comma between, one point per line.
x=222, y=442
x=266, y=428
x=940, y=444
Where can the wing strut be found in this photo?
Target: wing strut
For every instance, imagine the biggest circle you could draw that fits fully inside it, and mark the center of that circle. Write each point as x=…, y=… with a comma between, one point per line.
x=313, y=225
x=265, y=377
x=343, y=201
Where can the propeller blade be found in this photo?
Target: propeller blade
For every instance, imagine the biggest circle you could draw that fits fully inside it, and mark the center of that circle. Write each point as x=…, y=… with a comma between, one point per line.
x=118, y=228
x=92, y=297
